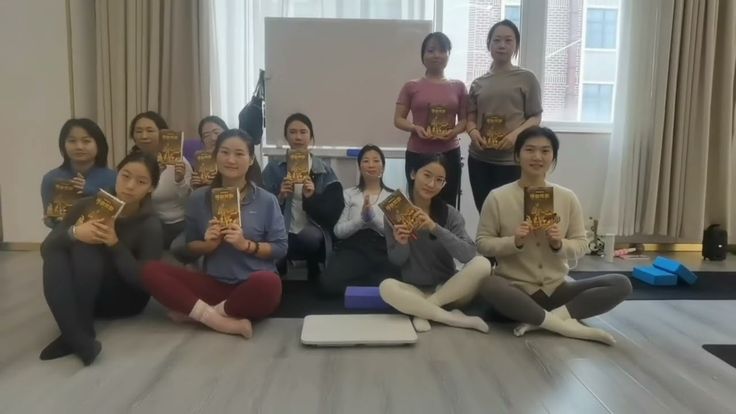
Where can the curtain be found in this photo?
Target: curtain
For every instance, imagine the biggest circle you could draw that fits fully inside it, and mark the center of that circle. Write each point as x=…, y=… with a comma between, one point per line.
x=673, y=146
x=151, y=55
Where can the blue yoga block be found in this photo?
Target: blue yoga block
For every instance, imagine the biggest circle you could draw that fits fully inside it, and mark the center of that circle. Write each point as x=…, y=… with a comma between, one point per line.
x=673, y=266
x=364, y=297
x=655, y=276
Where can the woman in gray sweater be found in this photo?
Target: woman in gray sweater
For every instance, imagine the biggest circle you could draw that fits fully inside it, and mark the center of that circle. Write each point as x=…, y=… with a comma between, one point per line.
x=430, y=280
x=92, y=269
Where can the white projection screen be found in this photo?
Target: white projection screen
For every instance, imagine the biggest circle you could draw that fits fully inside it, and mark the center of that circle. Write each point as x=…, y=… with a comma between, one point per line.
x=345, y=74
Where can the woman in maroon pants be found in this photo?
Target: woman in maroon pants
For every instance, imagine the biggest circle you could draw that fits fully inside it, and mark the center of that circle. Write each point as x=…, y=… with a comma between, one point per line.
x=238, y=283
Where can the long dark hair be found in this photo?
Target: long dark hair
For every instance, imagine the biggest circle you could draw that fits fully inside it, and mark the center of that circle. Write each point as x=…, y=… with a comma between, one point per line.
x=361, y=154
x=214, y=119
x=254, y=171
x=298, y=116
x=508, y=23
x=94, y=132
x=438, y=208
x=146, y=159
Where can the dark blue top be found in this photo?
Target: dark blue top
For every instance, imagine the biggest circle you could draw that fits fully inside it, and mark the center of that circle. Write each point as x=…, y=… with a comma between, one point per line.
x=95, y=179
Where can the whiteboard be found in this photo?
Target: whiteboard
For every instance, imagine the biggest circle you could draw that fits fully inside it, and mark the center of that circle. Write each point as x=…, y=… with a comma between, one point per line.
x=345, y=74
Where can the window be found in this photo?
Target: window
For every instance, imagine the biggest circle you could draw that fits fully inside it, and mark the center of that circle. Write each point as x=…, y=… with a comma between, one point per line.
x=597, y=101
x=571, y=46
x=600, y=28
x=571, y=62
x=513, y=13
x=239, y=26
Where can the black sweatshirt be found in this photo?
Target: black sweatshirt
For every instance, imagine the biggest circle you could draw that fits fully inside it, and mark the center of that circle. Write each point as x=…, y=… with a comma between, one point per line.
x=139, y=239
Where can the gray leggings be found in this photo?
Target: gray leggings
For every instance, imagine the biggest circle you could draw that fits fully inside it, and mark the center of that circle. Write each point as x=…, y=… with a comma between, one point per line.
x=583, y=298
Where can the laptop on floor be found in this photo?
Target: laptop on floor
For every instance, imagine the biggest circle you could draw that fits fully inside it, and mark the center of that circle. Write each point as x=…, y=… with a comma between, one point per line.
x=356, y=329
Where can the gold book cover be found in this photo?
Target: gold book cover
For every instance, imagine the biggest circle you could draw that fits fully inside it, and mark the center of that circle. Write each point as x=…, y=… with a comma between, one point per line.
x=65, y=195
x=105, y=206
x=493, y=130
x=226, y=205
x=172, y=146
x=539, y=207
x=439, y=123
x=399, y=210
x=206, y=166
x=297, y=165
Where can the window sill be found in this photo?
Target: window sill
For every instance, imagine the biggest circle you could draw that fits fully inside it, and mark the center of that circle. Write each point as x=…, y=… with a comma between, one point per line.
x=579, y=127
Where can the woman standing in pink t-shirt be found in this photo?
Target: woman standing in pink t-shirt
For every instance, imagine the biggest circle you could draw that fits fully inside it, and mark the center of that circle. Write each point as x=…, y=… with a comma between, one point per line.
x=438, y=113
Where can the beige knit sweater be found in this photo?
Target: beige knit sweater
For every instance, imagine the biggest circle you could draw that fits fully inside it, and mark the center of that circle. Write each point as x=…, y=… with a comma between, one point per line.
x=536, y=265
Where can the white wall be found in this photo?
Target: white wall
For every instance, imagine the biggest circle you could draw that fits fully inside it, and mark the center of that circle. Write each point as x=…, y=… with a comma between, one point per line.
x=35, y=100
x=581, y=167
x=34, y=79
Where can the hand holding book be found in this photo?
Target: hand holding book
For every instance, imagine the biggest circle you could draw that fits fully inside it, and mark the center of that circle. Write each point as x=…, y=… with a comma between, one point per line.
x=179, y=170
x=233, y=234
x=308, y=189
x=106, y=233
x=507, y=142
x=521, y=233
x=554, y=236
x=79, y=182
x=421, y=132
x=402, y=234
x=423, y=221
x=89, y=232
x=213, y=232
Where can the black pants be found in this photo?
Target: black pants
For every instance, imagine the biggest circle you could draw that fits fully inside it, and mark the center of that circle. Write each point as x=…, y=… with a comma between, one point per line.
x=308, y=245
x=484, y=177
x=359, y=260
x=451, y=190
x=80, y=283
x=171, y=231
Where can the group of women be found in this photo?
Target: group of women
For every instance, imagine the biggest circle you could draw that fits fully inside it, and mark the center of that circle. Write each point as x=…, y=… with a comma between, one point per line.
x=110, y=269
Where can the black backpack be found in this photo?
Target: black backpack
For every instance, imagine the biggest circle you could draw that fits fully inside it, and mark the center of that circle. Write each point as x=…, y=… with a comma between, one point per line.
x=715, y=243
x=250, y=118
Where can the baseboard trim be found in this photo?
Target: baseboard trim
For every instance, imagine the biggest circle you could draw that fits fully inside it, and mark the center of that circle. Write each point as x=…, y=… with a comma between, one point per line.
x=20, y=247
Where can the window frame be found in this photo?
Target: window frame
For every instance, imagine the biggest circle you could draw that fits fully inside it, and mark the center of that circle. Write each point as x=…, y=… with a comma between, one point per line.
x=532, y=56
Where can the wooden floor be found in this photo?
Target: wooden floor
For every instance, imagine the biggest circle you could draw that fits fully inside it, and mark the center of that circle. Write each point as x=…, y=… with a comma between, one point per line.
x=149, y=365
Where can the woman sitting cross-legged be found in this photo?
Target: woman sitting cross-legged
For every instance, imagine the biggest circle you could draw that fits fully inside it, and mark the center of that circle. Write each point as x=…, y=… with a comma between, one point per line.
x=529, y=283
x=430, y=280
x=239, y=283
x=360, y=256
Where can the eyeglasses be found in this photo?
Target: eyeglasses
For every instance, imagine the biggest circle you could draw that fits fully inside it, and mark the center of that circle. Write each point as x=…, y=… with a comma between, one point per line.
x=438, y=181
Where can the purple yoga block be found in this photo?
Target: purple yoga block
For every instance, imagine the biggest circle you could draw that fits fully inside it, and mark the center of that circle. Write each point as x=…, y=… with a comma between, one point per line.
x=655, y=276
x=673, y=266
x=364, y=297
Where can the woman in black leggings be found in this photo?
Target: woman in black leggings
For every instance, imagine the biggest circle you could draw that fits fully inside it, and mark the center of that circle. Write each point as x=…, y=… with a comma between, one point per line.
x=92, y=269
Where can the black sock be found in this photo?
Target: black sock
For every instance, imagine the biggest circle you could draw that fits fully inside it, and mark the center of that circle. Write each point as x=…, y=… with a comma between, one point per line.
x=56, y=349
x=89, y=352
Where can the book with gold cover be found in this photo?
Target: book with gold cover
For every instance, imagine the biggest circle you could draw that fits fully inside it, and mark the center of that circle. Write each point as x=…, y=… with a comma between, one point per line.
x=439, y=123
x=105, y=206
x=493, y=130
x=172, y=146
x=399, y=210
x=539, y=207
x=206, y=166
x=226, y=205
x=65, y=195
x=297, y=165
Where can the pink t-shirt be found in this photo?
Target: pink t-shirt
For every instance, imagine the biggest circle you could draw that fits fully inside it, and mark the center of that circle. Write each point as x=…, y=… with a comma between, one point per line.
x=421, y=94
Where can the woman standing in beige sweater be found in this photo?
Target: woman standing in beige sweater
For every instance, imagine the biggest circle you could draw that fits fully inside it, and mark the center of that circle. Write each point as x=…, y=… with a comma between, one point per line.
x=529, y=284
